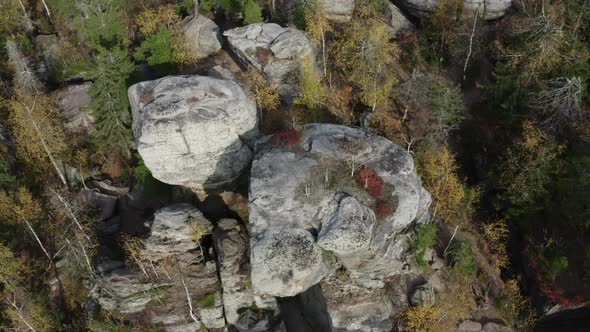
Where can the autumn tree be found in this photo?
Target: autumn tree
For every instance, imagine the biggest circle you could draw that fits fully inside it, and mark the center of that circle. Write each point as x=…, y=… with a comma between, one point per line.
x=38, y=133
x=365, y=55
x=317, y=24
x=264, y=92
x=527, y=168
x=447, y=110
x=20, y=207
x=25, y=78
x=453, y=201
x=312, y=93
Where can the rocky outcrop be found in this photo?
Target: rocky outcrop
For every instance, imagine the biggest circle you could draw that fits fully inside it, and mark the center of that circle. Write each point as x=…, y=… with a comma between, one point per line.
x=193, y=130
x=74, y=102
x=396, y=20
x=172, y=258
x=276, y=51
x=330, y=198
x=491, y=9
x=201, y=37
x=239, y=301
x=338, y=10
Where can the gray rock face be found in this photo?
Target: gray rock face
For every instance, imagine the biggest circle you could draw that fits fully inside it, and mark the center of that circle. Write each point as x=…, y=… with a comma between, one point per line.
x=193, y=130
x=469, y=326
x=130, y=291
x=422, y=295
x=491, y=9
x=74, y=102
x=202, y=37
x=276, y=51
x=396, y=20
x=338, y=10
x=309, y=215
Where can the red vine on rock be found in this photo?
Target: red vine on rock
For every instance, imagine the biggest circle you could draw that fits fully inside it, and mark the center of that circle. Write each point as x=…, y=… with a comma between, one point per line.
x=383, y=209
x=371, y=181
x=287, y=137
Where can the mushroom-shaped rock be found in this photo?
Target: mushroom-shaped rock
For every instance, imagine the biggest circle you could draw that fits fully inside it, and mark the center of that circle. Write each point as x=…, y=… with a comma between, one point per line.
x=193, y=130
x=276, y=51
x=328, y=193
x=201, y=37
x=490, y=9
x=286, y=262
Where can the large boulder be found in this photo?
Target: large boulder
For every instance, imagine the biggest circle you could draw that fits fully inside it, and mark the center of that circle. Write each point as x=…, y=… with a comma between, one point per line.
x=490, y=9
x=201, y=37
x=338, y=10
x=332, y=197
x=193, y=131
x=74, y=102
x=171, y=258
x=276, y=51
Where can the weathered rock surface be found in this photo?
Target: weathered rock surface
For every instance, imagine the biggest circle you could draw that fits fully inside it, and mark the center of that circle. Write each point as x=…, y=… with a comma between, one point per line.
x=74, y=102
x=160, y=296
x=201, y=37
x=309, y=216
x=338, y=10
x=396, y=20
x=422, y=295
x=193, y=130
x=276, y=51
x=491, y=9
x=469, y=326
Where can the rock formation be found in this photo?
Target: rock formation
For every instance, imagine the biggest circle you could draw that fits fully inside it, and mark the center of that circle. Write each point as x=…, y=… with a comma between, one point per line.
x=333, y=200
x=171, y=257
x=276, y=51
x=396, y=20
x=338, y=10
x=201, y=36
x=74, y=102
x=193, y=130
x=491, y=9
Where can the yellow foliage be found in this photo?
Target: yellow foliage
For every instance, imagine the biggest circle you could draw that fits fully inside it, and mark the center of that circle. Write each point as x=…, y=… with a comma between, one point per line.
x=456, y=303
x=438, y=171
x=35, y=121
x=150, y=20
x=420, y=318
x=316, y=21
x=496, y=234
x=312, y=93
x=515, y=308
x=19, y=205
x=365, y=55
x=265, y=93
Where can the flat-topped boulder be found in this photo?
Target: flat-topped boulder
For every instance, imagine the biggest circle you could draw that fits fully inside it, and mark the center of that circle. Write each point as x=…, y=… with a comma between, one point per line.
x=331, y=196
x=490, y=9
x=193, y=131
x=276, y=51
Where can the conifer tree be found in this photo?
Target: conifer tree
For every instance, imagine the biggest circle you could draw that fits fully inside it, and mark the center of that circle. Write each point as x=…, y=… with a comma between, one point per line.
x=109, y=98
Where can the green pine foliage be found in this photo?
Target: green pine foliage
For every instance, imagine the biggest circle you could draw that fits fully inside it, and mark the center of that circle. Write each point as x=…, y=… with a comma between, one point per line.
x=157, y=49
x=252, y=12
x=110, y=105
x=462, y=259
x=425, y=238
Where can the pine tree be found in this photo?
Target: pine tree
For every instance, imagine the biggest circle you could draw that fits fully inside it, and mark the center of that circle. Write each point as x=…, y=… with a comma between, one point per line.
x=109, y=98
x=252, y=12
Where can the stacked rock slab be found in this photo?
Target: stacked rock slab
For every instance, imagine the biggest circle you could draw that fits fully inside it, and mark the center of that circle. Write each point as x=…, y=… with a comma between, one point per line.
x=311, y=217
x=276, y=51
x=193, y=130
x=338, y=10
x=490, y=9
x=129, y=291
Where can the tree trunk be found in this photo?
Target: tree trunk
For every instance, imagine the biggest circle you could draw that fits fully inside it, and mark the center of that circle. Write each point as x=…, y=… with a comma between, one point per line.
x=20, y=315
x=44, y=144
